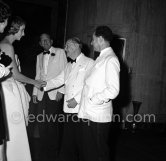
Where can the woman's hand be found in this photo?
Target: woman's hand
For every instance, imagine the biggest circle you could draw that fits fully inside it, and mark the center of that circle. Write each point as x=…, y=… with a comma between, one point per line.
x=40, y=84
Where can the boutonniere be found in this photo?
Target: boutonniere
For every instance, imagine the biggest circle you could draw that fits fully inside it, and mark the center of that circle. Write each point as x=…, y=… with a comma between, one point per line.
x=52, y=54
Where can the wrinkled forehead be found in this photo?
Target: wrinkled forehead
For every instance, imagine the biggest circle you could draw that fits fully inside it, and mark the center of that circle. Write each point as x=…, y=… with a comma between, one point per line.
x=70, y=42
x=44, y=36
x=22, y=27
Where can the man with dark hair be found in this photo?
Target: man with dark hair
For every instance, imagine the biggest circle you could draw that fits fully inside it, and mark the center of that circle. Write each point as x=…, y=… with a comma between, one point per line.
x=73, y=79
x=105, y=32
x=101, y=86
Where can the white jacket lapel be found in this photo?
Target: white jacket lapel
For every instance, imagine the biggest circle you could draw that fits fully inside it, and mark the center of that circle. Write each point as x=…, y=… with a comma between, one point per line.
x=52, y=60
x=76, y=68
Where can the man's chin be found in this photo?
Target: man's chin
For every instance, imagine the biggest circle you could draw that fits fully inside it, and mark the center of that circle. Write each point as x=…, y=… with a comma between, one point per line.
x=46, y=49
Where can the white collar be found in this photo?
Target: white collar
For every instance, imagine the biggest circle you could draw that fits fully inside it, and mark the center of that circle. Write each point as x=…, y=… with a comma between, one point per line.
x=51, y=49
x=104, y=51
x=78, y=57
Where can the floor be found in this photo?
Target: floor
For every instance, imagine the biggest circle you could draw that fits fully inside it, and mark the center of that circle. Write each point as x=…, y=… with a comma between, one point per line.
x=142, y=144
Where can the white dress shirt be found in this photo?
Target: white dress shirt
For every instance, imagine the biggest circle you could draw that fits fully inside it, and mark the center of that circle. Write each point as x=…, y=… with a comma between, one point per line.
x=46, y=60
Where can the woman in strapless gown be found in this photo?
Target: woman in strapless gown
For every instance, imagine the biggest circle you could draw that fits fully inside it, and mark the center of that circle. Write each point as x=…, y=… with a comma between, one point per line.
x=5, y=73
x=17, y=146
x=16, y=98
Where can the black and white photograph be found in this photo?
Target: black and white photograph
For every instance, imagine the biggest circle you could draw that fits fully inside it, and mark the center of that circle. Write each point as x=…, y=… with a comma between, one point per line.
x=82, y=80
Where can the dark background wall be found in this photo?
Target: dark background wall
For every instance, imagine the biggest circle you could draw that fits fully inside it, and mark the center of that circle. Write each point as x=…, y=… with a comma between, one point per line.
x=141, y=22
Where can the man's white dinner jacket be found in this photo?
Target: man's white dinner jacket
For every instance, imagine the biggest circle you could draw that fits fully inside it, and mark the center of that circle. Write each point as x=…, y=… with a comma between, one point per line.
x=55, y=65
x=73, y=79
x=100, y=88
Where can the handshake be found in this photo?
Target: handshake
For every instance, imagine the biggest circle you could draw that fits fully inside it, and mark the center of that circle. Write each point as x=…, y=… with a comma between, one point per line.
x=40, y=84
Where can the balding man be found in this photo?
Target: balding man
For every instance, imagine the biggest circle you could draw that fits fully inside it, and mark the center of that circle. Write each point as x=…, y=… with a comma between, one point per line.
x=50, y=63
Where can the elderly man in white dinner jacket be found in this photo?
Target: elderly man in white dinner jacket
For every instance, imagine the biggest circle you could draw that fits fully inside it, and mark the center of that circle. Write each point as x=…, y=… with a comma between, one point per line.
x=100, y=88
x=73, y=79
x=50, y=63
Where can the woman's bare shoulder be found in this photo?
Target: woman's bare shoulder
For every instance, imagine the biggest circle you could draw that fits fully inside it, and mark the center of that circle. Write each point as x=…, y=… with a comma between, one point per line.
x=6, y=47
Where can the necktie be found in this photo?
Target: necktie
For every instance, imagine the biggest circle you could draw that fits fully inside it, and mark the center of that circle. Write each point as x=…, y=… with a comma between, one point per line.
x=46, y=52
x=69, y=60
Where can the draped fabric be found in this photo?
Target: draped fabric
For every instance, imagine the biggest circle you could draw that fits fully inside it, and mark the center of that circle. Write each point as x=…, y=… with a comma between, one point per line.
x=16, y=105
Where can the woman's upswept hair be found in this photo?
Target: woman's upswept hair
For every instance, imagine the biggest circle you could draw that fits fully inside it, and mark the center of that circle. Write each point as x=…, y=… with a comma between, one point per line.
x=15, y=25
x=5, y=12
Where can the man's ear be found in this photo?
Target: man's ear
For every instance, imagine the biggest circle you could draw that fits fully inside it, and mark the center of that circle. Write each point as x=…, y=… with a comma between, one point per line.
x=101, y=40
x=40, y=43
x=76, y=45
x=51, y=42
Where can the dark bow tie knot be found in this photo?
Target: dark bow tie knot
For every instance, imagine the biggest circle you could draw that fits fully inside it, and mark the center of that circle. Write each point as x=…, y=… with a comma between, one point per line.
x=46, y=52
x=69, y=60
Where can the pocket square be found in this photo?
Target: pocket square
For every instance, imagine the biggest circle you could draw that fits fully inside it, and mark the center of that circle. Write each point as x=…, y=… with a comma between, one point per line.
x=82, y=69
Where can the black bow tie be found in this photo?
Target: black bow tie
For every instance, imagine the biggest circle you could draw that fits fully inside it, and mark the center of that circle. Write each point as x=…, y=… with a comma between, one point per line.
x=46, y=52
x=69, y=60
